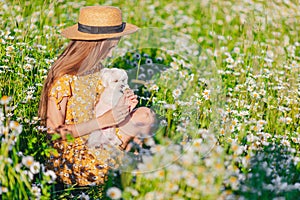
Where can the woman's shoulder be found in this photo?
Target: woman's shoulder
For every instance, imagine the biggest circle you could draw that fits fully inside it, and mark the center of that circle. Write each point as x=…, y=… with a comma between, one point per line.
x=66, y=77
x=62, y=84
x=64, y=80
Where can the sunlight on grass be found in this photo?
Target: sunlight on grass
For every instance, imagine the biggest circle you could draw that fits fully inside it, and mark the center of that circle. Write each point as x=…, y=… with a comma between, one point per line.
x=251, y=49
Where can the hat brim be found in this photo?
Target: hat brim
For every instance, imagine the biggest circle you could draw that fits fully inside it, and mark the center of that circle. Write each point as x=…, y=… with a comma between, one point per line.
x=73, y=33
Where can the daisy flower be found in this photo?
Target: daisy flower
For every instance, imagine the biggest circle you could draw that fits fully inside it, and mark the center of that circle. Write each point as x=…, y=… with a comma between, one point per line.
x=36, y=191
x=5, y=100
x=35, y=167
x=114, y=193
x=28, y=161
x=154, y=88
x=176, y=93
x=206, y=94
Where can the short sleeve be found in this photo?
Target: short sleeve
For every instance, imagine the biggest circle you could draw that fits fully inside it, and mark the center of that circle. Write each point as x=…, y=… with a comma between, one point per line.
x=61, y=88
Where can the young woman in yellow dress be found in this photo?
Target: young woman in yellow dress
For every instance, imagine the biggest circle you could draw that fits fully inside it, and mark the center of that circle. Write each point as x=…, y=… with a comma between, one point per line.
x=71, y=91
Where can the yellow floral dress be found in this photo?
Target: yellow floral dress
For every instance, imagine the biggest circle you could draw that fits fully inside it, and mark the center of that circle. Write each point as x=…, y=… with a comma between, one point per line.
x=73, y=162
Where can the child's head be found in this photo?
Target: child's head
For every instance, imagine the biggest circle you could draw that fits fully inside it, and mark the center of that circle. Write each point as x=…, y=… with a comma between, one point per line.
x=144, y=119
x=140, y=126
x=114, y=78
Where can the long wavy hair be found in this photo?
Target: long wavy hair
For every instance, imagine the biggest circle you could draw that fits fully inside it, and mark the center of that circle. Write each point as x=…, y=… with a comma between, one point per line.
x=78, y=57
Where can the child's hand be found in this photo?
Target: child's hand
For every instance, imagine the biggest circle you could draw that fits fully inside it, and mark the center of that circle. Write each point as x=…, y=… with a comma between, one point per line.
x=131, y=99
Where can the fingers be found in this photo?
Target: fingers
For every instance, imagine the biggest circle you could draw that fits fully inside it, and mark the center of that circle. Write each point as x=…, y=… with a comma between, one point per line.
x=127, y=100
x=63, y=130
x=134, y=101
x=129, y=94
x=131, y=98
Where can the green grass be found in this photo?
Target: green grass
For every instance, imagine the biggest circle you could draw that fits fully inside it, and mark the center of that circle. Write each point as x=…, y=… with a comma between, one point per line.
x=253, y=104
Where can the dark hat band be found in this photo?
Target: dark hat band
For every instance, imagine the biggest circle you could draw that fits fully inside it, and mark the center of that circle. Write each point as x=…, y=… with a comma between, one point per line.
x=101, y=29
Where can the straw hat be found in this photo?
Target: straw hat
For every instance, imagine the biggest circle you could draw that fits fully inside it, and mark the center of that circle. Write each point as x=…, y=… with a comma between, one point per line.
x=99, y=22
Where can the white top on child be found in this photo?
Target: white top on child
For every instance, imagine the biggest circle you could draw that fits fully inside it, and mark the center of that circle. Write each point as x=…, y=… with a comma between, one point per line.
x=114, y=81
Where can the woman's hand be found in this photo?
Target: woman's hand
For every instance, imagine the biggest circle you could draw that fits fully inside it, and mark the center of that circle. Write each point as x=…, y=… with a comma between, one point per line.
x=116, y=115
x=66, y=129
x=119, y=113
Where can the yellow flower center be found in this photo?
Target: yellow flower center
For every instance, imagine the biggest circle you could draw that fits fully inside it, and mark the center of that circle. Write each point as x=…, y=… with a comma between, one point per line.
x=29, y=162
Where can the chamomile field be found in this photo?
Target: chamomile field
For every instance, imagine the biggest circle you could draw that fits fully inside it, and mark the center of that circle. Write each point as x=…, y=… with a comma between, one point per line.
x=221, y=76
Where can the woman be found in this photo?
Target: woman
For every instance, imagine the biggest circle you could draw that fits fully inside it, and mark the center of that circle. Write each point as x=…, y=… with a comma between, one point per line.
x=71, y=90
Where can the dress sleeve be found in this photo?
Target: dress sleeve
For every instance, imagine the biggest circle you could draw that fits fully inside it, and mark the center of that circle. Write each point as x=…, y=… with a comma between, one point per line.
x=60, y=89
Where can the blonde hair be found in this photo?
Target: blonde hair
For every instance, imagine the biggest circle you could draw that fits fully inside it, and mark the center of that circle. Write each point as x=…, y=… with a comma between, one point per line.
x=78, y=57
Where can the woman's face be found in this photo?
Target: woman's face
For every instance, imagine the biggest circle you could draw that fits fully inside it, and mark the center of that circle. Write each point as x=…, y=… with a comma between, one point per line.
x=113, y=45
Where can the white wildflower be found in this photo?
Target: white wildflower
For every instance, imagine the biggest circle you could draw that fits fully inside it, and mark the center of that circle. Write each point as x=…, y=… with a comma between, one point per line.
x=28, y=67
x=35, y=167
x=84, y=196
x=171, y=187
x=5, y=100
x=176, y=93
x=229, y=60
x=10, y=48
x=15, y=126
x=132, y=191
x=3, y=190
x=52, y=175
x=28, y=161
x=154, y=88
x=174, y=65
x=36, y=191
x=114, y=193
x=206, y=94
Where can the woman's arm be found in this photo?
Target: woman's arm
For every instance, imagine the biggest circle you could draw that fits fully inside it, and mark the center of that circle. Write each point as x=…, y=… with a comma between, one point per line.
x=112, y=117
x=56, y=117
